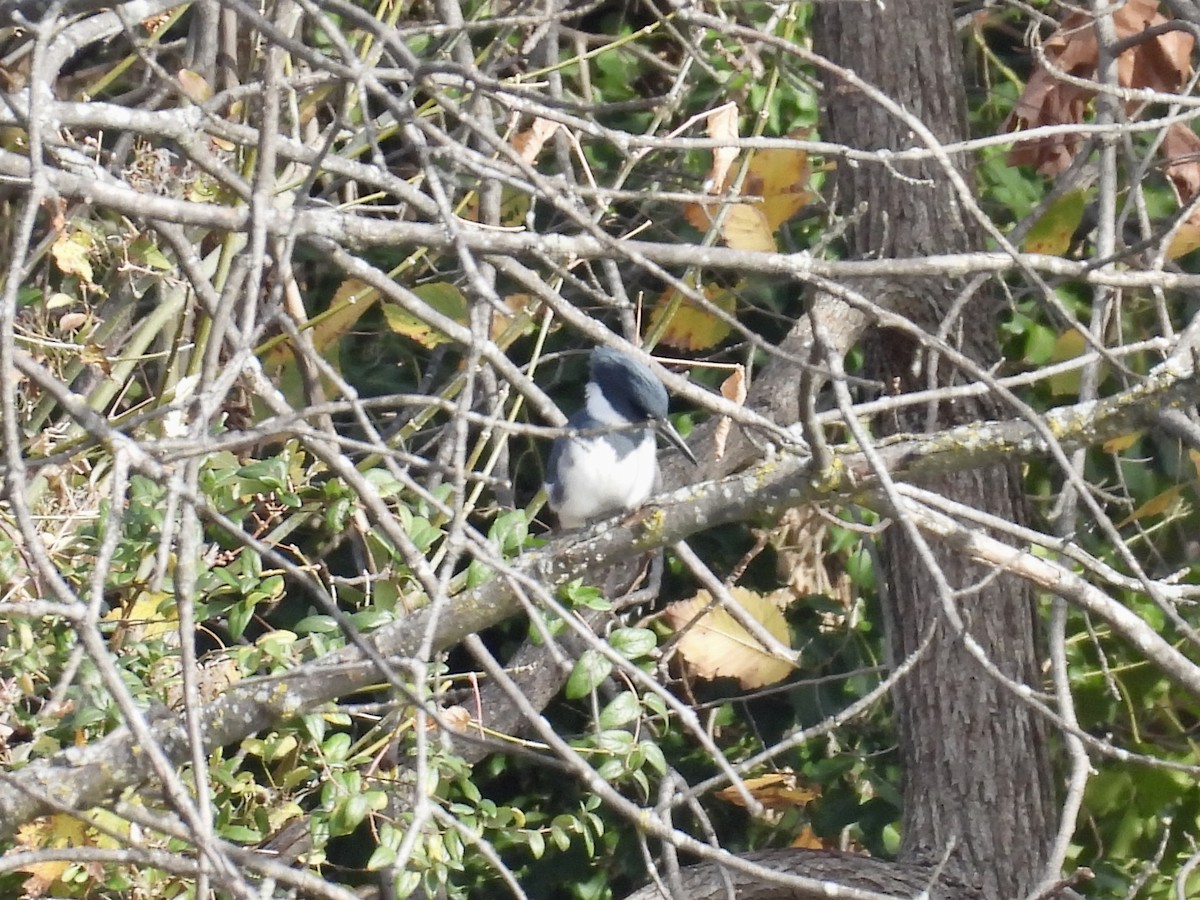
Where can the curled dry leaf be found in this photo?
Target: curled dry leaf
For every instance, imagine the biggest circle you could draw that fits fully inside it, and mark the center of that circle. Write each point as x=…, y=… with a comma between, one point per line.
x=722, y=126
x=456, y=718
x=1181, y=148
x=72, y=321
x=733, y=388
x=529, y=143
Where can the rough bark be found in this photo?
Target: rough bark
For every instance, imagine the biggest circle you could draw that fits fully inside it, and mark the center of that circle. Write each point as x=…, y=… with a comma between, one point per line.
x=704, y=882
x=978, y=771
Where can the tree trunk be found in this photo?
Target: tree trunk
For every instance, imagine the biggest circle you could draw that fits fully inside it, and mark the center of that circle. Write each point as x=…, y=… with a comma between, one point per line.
x=978, y=773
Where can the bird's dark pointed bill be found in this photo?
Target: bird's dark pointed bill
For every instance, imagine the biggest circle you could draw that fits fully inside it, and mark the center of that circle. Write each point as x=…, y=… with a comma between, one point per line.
x=668, y=431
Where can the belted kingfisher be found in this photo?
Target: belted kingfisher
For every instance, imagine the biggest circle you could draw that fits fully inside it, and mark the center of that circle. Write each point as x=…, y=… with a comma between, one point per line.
x=611, y=466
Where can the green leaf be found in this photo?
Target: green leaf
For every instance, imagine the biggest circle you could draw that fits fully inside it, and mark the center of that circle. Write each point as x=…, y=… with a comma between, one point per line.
x=387, y=484
x=144, y=251
x=633, y=643
x=653, y=756
x=349, y=815
x=239, y=617
x=423, y=533
x=577, y=593
x=537, y=843
x=336, y=747
x=316, y=625
x=510, y=530
x=624, y=708
x=381, y=858
x=616, y=741
x=241, y=834
x=559, y=836
x=264, y=476
x=370, y=619
x=589, y=672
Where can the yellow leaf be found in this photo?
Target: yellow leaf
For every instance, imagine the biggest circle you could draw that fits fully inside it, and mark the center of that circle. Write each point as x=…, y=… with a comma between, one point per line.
x=152, y=615
x=807, y=840
x=746, y=227
x=443, y=297
x=351, y=300
x=71, y=254
x=514, y=206
x=1154, y=506
x=52, y=832
x=1184, y=241
x=781, y=177
x=776, y=791
x=1124, y=442
x=1052, y=233
x=690, y=327
x=778, y=179
x=1069, y=345
x=1194, y=456
x=42, y=875
x=517, y=318
x=715, y=645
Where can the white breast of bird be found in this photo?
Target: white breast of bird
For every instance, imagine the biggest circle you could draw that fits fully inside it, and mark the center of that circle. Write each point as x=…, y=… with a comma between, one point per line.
x=618, y=481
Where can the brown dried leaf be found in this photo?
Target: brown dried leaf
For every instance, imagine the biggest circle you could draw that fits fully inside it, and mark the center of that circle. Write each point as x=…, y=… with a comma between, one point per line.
x=776, y=791
x=72, y=321
x=72, y=254
x=802, y=562
x=1161, y=63
x=714, y=645
x=732, y=388
x=1181, y=150
x=529, y=143
x=722, y=126
x=93, y=354
x=194, y=86
x=456, y=718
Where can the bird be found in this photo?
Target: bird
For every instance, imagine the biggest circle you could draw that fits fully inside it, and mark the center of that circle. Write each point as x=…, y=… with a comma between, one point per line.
x=609, y=463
